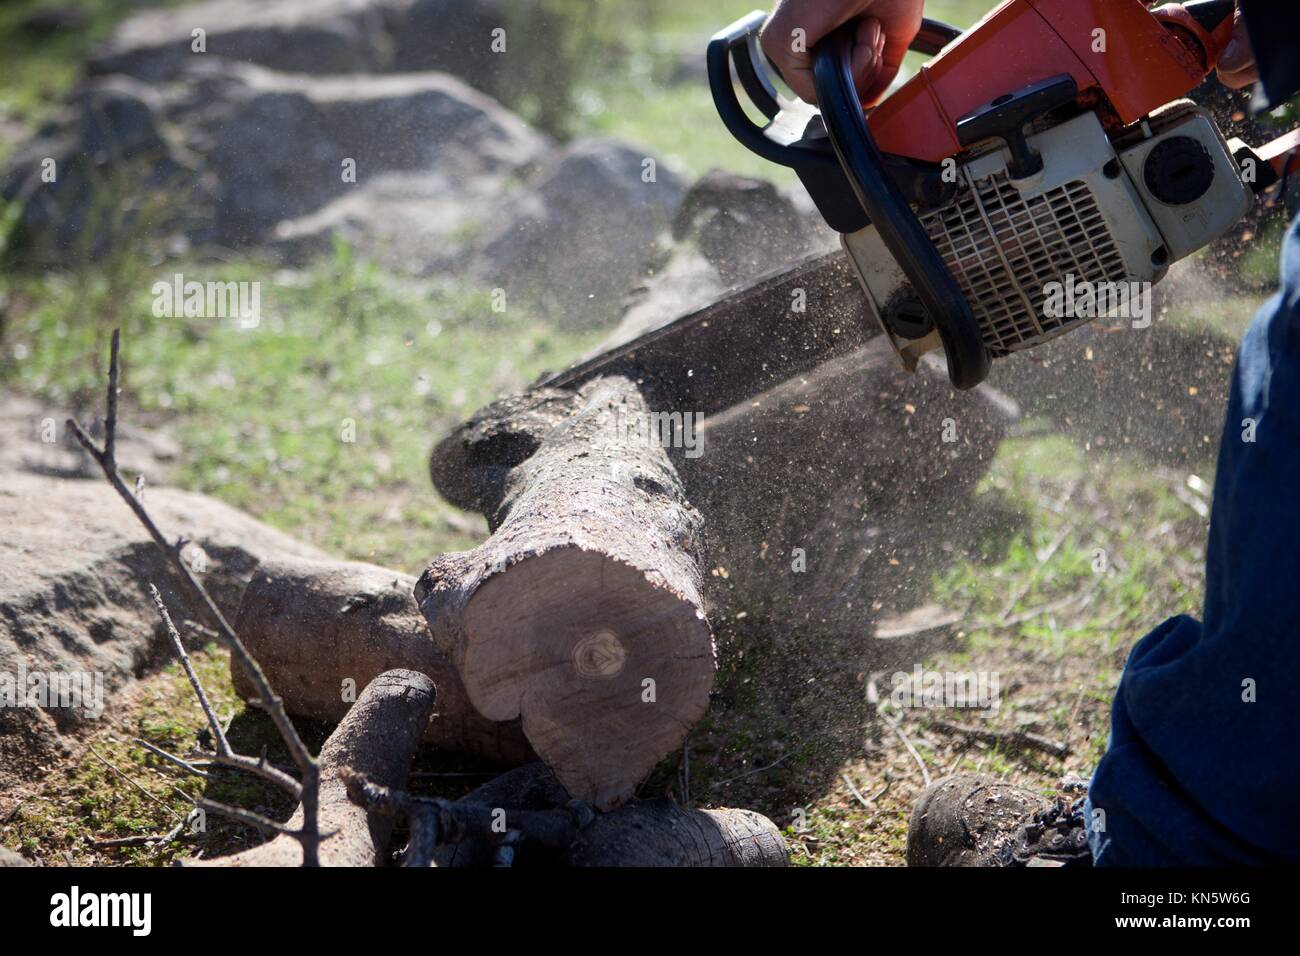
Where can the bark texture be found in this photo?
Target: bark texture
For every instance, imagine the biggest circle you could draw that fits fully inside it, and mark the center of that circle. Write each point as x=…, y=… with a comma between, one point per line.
x=582, y=614
x=653, y=833
x=660, y=833
x=378, y=737
x=314, y=625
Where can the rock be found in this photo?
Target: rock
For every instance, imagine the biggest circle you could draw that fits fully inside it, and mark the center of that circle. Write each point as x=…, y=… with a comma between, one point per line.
x=51, y=21
x=277, y=143
x=686, y=282
x=297, y=36
x=742, y=226
x=418, y=223
x=578, y=237
x=74, y=565
x=10, y=858
x=70, y=180
x=424, y=41
x=274, y=150
x=34, y=439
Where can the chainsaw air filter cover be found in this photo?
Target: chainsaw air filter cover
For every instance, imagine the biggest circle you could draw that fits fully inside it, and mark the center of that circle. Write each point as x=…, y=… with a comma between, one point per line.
x=1099, y=218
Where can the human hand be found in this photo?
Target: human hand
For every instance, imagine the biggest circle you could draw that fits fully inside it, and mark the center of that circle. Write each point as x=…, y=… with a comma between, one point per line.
x=885, y=29
x=1237, y=61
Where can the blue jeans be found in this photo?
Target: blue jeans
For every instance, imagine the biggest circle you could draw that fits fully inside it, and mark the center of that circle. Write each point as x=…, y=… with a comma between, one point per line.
x=1203, y=767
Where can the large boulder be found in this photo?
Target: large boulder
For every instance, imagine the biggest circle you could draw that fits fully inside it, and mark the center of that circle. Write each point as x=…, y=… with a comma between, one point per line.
x=74, y=569
x=298, y=36
x=89, y=177
x=728, y=231
x=277, y=143
x=237, y=149
x=574, y=241
x=34, y=438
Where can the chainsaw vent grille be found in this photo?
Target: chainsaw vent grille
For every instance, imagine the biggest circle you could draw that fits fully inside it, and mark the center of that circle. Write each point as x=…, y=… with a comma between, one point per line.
x=1003, y=248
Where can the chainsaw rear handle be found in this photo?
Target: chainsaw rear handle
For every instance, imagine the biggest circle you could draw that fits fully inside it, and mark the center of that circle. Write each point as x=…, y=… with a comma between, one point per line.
x=855, y=158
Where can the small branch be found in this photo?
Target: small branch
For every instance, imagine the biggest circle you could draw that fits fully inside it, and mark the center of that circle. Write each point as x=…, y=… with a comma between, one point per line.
x=246, y=816
x=435, y=822
x=105, y=762
x=1017, y=740
x=158, y=751
x=178, y=832
x=223, y=746
x=110, y=423
x=896, y=727
x=848, y=782
x=874, y=694
x=309, y=788
x=748, y=773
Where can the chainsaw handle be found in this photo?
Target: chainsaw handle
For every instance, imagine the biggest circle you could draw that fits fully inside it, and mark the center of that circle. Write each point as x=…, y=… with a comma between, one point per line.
x=737, y=46
x=899, y=228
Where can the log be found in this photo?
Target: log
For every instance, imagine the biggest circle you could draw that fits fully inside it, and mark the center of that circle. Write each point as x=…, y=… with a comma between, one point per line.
x=378, y=737
x=660, y=833
x=582, y=614
x=313, y=625
x=651, y=833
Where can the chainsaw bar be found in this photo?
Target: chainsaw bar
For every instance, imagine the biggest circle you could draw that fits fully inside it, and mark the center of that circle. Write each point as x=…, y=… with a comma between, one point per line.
x=744, y=343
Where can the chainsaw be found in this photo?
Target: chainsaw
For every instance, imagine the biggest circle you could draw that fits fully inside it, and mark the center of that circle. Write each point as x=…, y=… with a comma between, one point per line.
x=1050, y=146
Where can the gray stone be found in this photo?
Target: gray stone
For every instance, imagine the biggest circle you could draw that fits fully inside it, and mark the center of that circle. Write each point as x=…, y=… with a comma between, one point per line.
x=108, y=146
x=10, y=858
x=277, y=142
x=35, y=439
x=297, y=36
x=236, y=150
x=727, y=233
x=74, y=569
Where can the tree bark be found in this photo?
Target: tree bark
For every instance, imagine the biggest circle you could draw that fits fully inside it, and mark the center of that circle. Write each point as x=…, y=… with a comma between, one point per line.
x=582, y=614
x=654, y=833
x=378, y=737
x=660, y=833
x=314, y=625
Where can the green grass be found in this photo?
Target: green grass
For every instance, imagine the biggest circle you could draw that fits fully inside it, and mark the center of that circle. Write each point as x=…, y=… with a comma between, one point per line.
x=114, y=788
x=264, y=415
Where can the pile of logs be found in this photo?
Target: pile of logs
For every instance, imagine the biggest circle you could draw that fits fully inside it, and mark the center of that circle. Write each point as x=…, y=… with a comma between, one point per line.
x=577, y=643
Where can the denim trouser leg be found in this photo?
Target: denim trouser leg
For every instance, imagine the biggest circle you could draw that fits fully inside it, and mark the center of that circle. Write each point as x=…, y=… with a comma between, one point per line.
x=1203, y=766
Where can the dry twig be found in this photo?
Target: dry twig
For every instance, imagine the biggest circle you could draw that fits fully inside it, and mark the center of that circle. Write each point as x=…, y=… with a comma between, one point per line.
x=308, y=790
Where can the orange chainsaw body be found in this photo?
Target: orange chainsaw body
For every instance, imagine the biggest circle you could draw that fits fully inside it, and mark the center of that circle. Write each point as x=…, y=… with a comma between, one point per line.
x=1136, y=62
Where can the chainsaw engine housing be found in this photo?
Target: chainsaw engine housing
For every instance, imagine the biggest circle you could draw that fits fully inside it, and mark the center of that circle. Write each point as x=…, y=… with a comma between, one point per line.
x=1101, y=216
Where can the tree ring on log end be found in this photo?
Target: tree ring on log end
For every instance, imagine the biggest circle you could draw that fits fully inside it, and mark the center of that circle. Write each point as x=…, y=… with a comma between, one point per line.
x=599, y=656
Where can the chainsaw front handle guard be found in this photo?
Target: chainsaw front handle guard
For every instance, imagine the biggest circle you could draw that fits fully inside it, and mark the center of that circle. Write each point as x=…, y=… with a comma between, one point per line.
x=737, y=46
x=899, y=229
x=855, y=160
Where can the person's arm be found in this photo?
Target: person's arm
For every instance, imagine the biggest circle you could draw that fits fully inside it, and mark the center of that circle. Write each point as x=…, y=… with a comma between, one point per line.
x=1270, y=29
x=885, y=30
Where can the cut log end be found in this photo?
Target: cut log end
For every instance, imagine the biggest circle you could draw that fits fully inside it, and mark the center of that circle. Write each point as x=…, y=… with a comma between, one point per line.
x=605, y=666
